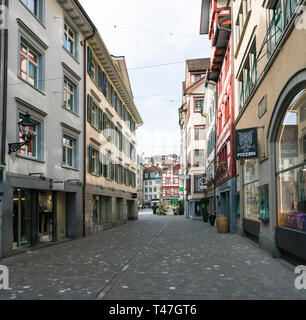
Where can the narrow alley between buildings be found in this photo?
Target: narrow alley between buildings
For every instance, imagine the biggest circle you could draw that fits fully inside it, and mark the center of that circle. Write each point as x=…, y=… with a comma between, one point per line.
x=156, y=257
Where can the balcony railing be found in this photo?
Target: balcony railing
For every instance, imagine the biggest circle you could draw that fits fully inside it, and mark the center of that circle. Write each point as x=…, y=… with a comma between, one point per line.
x=275, y=30
x=282, y=15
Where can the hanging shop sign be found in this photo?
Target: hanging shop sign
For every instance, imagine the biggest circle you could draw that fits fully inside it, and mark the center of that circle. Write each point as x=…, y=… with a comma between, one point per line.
x=246, y=143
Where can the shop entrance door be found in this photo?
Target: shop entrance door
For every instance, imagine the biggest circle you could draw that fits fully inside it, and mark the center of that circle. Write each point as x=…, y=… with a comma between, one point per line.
x=61, y=215
x=45, y=217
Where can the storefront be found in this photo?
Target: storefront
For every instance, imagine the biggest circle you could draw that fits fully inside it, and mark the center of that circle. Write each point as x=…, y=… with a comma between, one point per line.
x=48, y=211
x=272, y=179
x=290, y=150
x=38, y=217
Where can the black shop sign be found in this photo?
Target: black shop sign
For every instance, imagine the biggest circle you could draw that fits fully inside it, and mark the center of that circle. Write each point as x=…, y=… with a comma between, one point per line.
x=246, y=143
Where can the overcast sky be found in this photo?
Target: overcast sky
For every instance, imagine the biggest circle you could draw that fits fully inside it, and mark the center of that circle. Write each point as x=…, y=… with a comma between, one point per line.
x=157, y=91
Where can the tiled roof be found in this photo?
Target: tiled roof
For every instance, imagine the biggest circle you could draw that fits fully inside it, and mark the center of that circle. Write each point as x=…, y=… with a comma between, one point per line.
x=195, y=65
x=153, y=169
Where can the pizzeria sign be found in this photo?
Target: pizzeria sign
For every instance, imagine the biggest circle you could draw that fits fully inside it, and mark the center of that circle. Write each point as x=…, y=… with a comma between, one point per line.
x=246, y=143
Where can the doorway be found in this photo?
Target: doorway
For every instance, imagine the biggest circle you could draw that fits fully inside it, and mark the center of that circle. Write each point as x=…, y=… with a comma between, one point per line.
x=21, y=218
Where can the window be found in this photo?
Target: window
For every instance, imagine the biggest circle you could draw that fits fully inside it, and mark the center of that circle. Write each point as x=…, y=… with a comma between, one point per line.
x=70, y=95
x=199, y=132
x=29, y=65
x=69, y=152
x=197, y=183
x=92, y=66
x=35, y=6
x=275, y=28
x=241, y=18
x=32, y=149
x=198, y=105
x=199, y=157
x=291, y=166
x=251, y=195
x=248, y=75
x=69, y=39
x=95, y=165
x=94, y=114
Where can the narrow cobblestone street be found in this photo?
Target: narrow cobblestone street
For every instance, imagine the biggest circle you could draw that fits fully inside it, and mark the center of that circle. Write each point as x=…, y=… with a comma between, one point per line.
x=153, y=258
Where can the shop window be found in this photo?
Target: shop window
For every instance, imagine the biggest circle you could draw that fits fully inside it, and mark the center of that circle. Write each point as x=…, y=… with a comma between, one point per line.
x=251, y=195
x=46, y=221
x=96, y=210
x=291, y=166
x=22, y=210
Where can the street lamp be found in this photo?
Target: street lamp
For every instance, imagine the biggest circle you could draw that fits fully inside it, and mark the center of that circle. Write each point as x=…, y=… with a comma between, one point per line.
x=26, y=128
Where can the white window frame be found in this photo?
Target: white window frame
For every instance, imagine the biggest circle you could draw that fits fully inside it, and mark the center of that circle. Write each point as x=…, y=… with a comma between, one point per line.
x=24, y=150
x=67, y=147
x=29, y=61
x=73, y=93
x=71, y=38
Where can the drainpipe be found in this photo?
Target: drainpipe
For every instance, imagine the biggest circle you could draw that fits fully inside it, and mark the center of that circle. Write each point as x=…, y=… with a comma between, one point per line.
x=84, y=125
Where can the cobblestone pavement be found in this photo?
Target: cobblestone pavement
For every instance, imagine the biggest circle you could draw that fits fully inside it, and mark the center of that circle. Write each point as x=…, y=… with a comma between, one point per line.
x=168, y=257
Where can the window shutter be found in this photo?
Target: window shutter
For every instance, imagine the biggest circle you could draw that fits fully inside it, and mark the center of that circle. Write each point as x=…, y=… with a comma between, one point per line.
x=100, y=78
x=90, y=158
x=100, y=125
x=100, y=164
x=116, y=101
x=89, y=60
x=104, y=83
x=89, y=112
x=104, y=166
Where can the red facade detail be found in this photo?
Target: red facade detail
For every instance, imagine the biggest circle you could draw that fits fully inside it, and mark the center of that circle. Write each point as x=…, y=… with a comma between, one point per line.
x=171, y=183
x=221, y=68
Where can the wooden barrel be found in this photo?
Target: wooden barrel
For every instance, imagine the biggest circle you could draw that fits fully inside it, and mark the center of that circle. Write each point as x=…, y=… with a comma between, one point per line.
x=222, y=224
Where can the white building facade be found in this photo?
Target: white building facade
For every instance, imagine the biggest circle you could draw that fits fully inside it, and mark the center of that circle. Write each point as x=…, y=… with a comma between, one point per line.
x=43, y=181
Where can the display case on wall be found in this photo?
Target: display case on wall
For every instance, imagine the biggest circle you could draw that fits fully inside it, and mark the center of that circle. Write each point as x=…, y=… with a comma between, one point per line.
x=263, y=192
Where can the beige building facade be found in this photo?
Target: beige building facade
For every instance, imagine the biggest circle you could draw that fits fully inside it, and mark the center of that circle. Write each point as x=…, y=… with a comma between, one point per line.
x=270, y=95
x=111, y=158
